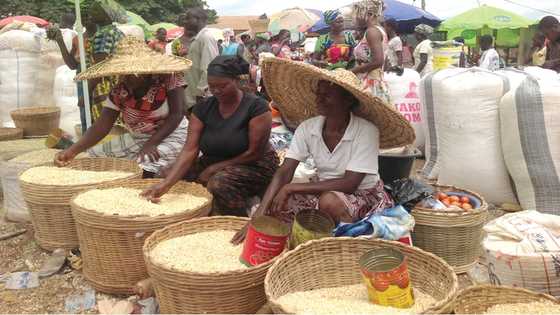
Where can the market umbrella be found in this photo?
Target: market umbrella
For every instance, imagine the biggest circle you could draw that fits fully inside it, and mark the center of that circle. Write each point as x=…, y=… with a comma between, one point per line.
x=23, y=18
x=486, y=16
x=294, y=20
x=407, y=16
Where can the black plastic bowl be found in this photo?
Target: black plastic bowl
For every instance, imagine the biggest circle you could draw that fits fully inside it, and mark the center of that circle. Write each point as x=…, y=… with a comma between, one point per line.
x=396, y=166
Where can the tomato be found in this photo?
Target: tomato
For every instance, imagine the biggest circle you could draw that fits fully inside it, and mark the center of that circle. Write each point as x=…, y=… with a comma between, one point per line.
x=446, y=202
x=454, y=199
x=465, y=199
x=441, y=196
x=466, y=206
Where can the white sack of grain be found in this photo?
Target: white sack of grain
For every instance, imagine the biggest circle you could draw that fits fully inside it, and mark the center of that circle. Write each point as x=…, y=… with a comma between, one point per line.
x=19, y=63
x=523, y=250
x=530, y=129
x=50, y=60
x=132, y=30
x=406, y=99
x=65, y=93
x=541, y=74
x=463, y=130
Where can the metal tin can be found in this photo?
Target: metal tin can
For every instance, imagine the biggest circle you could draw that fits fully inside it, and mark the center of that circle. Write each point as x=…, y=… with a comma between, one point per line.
x=266, y=238
x=310, y=224
x=385, y=272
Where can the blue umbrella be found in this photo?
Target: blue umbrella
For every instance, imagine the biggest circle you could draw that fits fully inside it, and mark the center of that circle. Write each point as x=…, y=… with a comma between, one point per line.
x=408, y=16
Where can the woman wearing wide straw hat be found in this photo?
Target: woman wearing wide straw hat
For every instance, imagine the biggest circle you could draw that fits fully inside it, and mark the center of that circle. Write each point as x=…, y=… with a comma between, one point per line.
x=370, y=51
x=232, y=130
x=150, y=98
x=342, y=128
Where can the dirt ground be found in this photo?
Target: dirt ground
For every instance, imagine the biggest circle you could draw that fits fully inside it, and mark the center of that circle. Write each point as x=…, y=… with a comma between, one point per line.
x=21, y=253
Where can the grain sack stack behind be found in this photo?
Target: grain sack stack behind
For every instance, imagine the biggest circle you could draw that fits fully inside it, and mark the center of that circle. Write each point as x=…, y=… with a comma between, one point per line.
x=203, y=274
x=113, y=221
x=47, y=190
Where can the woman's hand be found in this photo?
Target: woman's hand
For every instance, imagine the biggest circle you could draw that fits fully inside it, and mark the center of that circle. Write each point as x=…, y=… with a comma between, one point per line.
x=155, y=192
x=279, y=202
x=64, y=158
x=149, y=153
x=239, y=237
x=210, y=171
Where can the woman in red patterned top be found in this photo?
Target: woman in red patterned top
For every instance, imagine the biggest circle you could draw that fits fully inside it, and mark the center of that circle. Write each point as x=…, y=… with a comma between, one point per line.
x=151, y=106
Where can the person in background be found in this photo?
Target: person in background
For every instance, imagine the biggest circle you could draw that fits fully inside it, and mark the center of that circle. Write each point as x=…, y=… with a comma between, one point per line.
x=262, y=45
x=220, y=46
x=247, y=44
x=160, y=41
x=201, y=52
x=232, y=130
x=395, y=47
x=281, y=44
x=230, y=46
x=463, y=56
x=180, y=46
x=490, y=59
x=334, y=49
x=151, y=105
x=537, y=54
x=423, y=53
x=342, y=140
x=370, y=51
x=550, y=27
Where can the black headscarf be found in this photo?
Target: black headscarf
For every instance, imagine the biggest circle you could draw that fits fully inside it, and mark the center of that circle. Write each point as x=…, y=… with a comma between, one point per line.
x=228, y=66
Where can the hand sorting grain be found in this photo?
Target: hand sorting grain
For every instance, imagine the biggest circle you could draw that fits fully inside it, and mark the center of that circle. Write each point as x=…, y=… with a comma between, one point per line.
x=127, y=202
x=48, y=175
x=205, y=252
x=352, y=299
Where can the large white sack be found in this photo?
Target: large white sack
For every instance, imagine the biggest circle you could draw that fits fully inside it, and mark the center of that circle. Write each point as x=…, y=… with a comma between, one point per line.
x=65, y=93
x=132, y=30
x=464, y=131
x=50, y=60
x=14, y=205
x=530, y=123
x=406, y=99
x=19, y=61
x=541, y=73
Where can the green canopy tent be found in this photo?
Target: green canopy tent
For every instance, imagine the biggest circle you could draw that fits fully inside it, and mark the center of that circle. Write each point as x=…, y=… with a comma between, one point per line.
x=485, y=20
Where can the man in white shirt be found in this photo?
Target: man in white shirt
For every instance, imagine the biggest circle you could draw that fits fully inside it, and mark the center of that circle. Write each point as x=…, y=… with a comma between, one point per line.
x=490, y=59
x=395, y=46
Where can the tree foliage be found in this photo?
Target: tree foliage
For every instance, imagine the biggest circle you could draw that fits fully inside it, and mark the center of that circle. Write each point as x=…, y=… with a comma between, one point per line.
x=153, y=11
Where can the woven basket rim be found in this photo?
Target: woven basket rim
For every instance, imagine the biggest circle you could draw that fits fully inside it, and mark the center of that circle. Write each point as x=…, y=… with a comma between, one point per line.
x=463, y=295
x=39, y=110
x=217, y=275
x=137, y=218
x=79, y=161
x=439, y=305
x=449, y=213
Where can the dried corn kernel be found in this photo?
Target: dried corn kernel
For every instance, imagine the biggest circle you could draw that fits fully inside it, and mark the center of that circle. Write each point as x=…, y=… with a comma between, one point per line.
x=50, y=175
x=537, y=308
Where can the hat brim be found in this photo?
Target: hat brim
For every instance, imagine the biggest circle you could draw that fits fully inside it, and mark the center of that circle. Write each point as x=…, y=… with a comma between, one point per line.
x=291, y=86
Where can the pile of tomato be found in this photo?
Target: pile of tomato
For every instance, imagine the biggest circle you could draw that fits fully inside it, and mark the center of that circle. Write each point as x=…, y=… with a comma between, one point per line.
x=462, y=202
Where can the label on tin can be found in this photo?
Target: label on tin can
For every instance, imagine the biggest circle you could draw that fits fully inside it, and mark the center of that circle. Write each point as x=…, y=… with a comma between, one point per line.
x=389, y=288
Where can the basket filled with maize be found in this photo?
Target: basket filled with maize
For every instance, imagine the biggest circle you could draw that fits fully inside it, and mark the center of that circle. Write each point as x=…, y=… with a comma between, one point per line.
x=324, y=277
x=195, y=268
x=455, y=233
x=10, y=133
x=487, y=299
x=48, y=189
x=36, y=121
x=113, y=221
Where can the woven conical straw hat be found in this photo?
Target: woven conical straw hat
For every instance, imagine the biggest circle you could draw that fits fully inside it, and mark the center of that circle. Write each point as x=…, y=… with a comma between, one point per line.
x=291, y=84
x=133, y=56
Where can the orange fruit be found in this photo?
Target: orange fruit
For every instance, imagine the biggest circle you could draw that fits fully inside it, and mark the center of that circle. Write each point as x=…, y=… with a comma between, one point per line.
x=465, y=199
x=466, y=206
x=441, y=196
x=446, y=202
x=457, y=204
x=454, y=199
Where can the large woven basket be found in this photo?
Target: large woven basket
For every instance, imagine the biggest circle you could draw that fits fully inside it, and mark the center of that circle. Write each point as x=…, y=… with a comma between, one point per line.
x=259, y=25
x=10, y=133
x=333, y=262
x=455, y=236
x=49, y=205
x=236, y=292
x=478, y=299
x=111, y=245
x=36, y=121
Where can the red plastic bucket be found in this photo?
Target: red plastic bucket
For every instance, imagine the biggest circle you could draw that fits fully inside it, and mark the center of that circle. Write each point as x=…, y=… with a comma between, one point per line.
x=266, y=238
